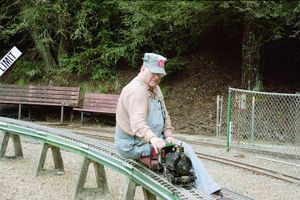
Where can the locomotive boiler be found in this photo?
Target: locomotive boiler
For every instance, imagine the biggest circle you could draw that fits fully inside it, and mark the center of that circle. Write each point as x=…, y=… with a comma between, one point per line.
x=173, y=163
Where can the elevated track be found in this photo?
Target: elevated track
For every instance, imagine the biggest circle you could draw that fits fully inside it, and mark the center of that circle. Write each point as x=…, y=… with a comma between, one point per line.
x=98, y=150
x=256, y=169
x=102, y=153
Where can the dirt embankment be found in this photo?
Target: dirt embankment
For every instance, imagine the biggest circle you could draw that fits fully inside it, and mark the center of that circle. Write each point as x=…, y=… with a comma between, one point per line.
x=191, y=93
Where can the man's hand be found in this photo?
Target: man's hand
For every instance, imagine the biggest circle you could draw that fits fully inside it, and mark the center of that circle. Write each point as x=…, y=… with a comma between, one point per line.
x=171, y=140
x=157, y=143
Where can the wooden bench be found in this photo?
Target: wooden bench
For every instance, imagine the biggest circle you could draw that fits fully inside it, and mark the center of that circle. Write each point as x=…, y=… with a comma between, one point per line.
x=39, y=95
x=99, y=103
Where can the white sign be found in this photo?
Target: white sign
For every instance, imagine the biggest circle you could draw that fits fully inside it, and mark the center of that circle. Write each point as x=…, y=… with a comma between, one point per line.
x=240, y=101
x=243, y=101
x=9, y=59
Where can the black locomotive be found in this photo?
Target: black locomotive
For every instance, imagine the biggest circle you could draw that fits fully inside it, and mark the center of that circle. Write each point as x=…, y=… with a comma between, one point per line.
x=173, y=163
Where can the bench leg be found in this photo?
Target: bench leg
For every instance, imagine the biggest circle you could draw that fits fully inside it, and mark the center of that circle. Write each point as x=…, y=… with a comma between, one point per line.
x=16, y=143
x=57, y=159
x=29, y=113
x=62, y=115
x=20, y=110
x=71, y=116
x=81, y=118
x=101, y=180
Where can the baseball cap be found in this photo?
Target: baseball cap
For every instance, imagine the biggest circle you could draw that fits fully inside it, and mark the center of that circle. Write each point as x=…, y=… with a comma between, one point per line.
x=155, y=63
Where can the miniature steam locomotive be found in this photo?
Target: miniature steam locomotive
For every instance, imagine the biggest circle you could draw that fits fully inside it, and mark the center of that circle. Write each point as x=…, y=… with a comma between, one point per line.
x=173, y=163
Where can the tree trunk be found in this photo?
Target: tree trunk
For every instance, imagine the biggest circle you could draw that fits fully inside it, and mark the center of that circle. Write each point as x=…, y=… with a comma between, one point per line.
x=252, y=41
x=64, y=43
x=44, y=50
x=64, y=48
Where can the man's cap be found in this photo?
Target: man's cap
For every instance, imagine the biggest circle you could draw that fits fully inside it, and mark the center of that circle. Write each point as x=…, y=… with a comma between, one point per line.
x=155, y=63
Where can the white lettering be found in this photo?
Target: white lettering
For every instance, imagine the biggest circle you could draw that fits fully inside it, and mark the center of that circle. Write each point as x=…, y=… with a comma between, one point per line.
x=3, y=69
x=9, y=59
x=10, y=53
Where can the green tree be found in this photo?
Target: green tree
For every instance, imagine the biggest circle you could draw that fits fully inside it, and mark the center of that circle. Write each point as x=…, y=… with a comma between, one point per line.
x=263, y=21
x=92, y=38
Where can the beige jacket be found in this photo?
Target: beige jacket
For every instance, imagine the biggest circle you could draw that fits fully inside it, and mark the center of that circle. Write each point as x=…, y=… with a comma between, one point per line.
x=133, y=107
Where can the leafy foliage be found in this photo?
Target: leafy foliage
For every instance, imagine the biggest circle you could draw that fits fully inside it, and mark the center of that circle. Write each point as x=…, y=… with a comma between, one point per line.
x=25, y=72
x=92, y=38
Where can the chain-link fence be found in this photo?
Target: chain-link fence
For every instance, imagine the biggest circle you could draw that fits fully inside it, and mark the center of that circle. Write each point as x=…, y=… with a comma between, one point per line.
x=264, y=122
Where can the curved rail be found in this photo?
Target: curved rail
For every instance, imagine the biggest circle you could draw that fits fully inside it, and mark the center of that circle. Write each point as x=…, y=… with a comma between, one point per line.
x=102, y=153
x=203, y=143
x=252, y=168
x=241, y=165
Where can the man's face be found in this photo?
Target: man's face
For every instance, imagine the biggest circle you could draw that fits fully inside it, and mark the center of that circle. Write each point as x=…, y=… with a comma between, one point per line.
x=152, y=79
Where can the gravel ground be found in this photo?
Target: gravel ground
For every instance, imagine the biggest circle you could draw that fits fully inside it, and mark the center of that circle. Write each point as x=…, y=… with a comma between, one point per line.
x=18, y=183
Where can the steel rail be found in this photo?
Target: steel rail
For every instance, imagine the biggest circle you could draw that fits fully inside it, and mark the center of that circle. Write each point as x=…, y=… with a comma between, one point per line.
x=205, y=143
x=102, y=153
x=233, y=163
x=248, y=167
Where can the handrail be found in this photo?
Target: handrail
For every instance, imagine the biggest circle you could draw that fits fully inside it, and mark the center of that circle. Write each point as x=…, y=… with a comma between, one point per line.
x=100, y=152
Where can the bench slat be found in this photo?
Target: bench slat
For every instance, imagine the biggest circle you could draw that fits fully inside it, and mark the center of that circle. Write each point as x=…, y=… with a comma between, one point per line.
x=29, y=99
x=9, y=86
x=100, y=103
x=110, y=111
x=39, y=95
x=38, y=103
x=44, y=98
x=35, y=95
x=22, y=92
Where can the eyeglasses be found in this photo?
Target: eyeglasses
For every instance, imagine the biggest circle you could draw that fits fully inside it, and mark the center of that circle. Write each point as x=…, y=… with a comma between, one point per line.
x=157, y=74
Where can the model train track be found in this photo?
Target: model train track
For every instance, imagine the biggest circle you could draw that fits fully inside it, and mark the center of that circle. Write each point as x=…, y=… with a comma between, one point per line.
x=252, y=168
x=103, y=153
x=107, y=135
x=283, y=155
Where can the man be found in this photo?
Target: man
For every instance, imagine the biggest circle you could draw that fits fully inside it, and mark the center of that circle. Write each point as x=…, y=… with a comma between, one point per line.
x=143, y=120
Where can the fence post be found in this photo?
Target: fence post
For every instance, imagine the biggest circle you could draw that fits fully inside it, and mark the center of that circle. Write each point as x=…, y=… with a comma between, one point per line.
x=217, y=122
x=252, y=119
x=228, y=120
x=218, y=118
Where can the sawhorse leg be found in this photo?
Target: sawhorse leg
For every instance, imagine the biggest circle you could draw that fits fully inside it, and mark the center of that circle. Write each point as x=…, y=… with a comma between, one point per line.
x=101, y=180
x=57, y=159
x=16, y=143
x=130, y=191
